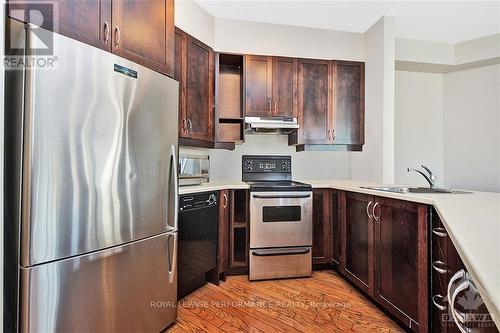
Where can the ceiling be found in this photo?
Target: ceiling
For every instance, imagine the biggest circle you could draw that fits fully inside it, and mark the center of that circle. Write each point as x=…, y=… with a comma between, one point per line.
x=442, y=21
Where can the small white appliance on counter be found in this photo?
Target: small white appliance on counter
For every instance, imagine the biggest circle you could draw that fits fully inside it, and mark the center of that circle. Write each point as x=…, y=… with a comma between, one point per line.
x=280, y=219
x=194, y=170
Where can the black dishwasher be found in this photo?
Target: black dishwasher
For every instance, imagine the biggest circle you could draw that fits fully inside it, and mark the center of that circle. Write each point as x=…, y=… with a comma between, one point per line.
x=197, y=249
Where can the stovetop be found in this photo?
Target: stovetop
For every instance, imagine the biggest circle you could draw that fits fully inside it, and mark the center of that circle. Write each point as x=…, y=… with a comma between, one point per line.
x=278, y=186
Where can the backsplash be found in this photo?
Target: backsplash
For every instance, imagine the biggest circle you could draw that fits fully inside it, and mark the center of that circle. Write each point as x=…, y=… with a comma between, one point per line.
x=226, y=165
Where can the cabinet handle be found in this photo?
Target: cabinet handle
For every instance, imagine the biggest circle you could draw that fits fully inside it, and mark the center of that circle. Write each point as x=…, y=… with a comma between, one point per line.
x=184, y=125
x=106, y=32
x=458, y=275
x=333, y=134
x=226, y=200
x=458, y=317
x=275, y=106
x=270, y=104
x=440, y=232
x=118, y=36
x=189, y=126
x=377, y=218
x=441, y=270
x=436, y=303
x=368, y=210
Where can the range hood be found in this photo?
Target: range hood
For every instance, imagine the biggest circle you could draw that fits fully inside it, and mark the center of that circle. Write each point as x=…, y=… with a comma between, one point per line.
x=279, y=125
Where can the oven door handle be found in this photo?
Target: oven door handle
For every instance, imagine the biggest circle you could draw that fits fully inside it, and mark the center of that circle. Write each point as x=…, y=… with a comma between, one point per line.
x=282, y=196
x=280, y=252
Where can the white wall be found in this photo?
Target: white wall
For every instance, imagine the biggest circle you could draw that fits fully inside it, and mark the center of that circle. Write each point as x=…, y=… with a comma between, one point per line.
x=194, y=20
x=226, y=165
x=418, y=125
x=376, y=162
x=472, y=128
x=274, y=39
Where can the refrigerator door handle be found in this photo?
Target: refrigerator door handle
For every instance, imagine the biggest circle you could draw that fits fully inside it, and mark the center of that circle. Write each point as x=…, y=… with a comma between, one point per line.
x=172, y=257
x=175, y=174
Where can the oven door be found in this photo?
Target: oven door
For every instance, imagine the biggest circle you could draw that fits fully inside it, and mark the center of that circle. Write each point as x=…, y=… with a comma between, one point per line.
x=280, y=219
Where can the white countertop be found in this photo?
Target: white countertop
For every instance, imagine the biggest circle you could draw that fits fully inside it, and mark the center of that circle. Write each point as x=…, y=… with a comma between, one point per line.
x=471, y=220
x=214, y=186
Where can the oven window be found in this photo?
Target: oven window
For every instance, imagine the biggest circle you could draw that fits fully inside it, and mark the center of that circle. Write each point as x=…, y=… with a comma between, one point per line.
x=281, y=213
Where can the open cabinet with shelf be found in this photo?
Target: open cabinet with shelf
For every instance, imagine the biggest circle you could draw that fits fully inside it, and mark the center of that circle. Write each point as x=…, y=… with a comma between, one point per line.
x=229, y=122
x=238, y=233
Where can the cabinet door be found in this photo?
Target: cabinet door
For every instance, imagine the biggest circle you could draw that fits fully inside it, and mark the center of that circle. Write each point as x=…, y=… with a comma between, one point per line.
x=336, y=231
x=223, y=239
x=87, y=21
x=401, y=260
x=321, y=227
x=358, y=241
x=143, y=31
x=285, y=72
x=199, y=93
x=314, y=101
x=258, y=86
x=180, y=75
x=349, y=108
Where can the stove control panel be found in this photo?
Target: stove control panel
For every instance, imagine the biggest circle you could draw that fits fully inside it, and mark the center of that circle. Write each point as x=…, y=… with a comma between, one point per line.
x=279, y=166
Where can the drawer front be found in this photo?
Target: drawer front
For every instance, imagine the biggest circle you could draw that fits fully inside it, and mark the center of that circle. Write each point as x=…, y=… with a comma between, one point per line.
x=280, y=263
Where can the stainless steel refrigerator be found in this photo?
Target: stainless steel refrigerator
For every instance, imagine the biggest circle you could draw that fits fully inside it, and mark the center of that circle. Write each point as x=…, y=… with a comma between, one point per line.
x=91, y=192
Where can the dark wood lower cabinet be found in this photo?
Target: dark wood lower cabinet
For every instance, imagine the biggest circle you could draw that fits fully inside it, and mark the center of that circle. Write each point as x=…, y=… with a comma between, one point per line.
x=384, y=253
x=357, y=240
x=321, y=227
x=401, y=260
x=223, y=239
x=445, y=263
x=336, y=229
x=238, y=233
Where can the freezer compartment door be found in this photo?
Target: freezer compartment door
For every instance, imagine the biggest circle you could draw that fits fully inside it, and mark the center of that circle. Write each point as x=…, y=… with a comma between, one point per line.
x=131, y=288
x=100, y=143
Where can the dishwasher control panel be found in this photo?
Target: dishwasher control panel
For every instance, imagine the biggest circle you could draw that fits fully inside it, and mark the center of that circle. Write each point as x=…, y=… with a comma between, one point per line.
x=197, y=200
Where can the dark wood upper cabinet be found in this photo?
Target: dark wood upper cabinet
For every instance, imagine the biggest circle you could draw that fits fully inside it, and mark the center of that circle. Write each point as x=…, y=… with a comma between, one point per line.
x=284, y=86
x=143, y=31
x=258, y=86
x=358, y=246
x=194, y=69
x=321, y=227
x=349, y=103
x=92, y=25
x=401, y=260
x=314, y=102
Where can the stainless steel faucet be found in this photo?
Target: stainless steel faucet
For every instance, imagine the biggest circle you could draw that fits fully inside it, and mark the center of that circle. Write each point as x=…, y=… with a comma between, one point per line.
x=431, y=178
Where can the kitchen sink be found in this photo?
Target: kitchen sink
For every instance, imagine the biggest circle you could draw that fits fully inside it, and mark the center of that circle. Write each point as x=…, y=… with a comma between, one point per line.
x=403, y=189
